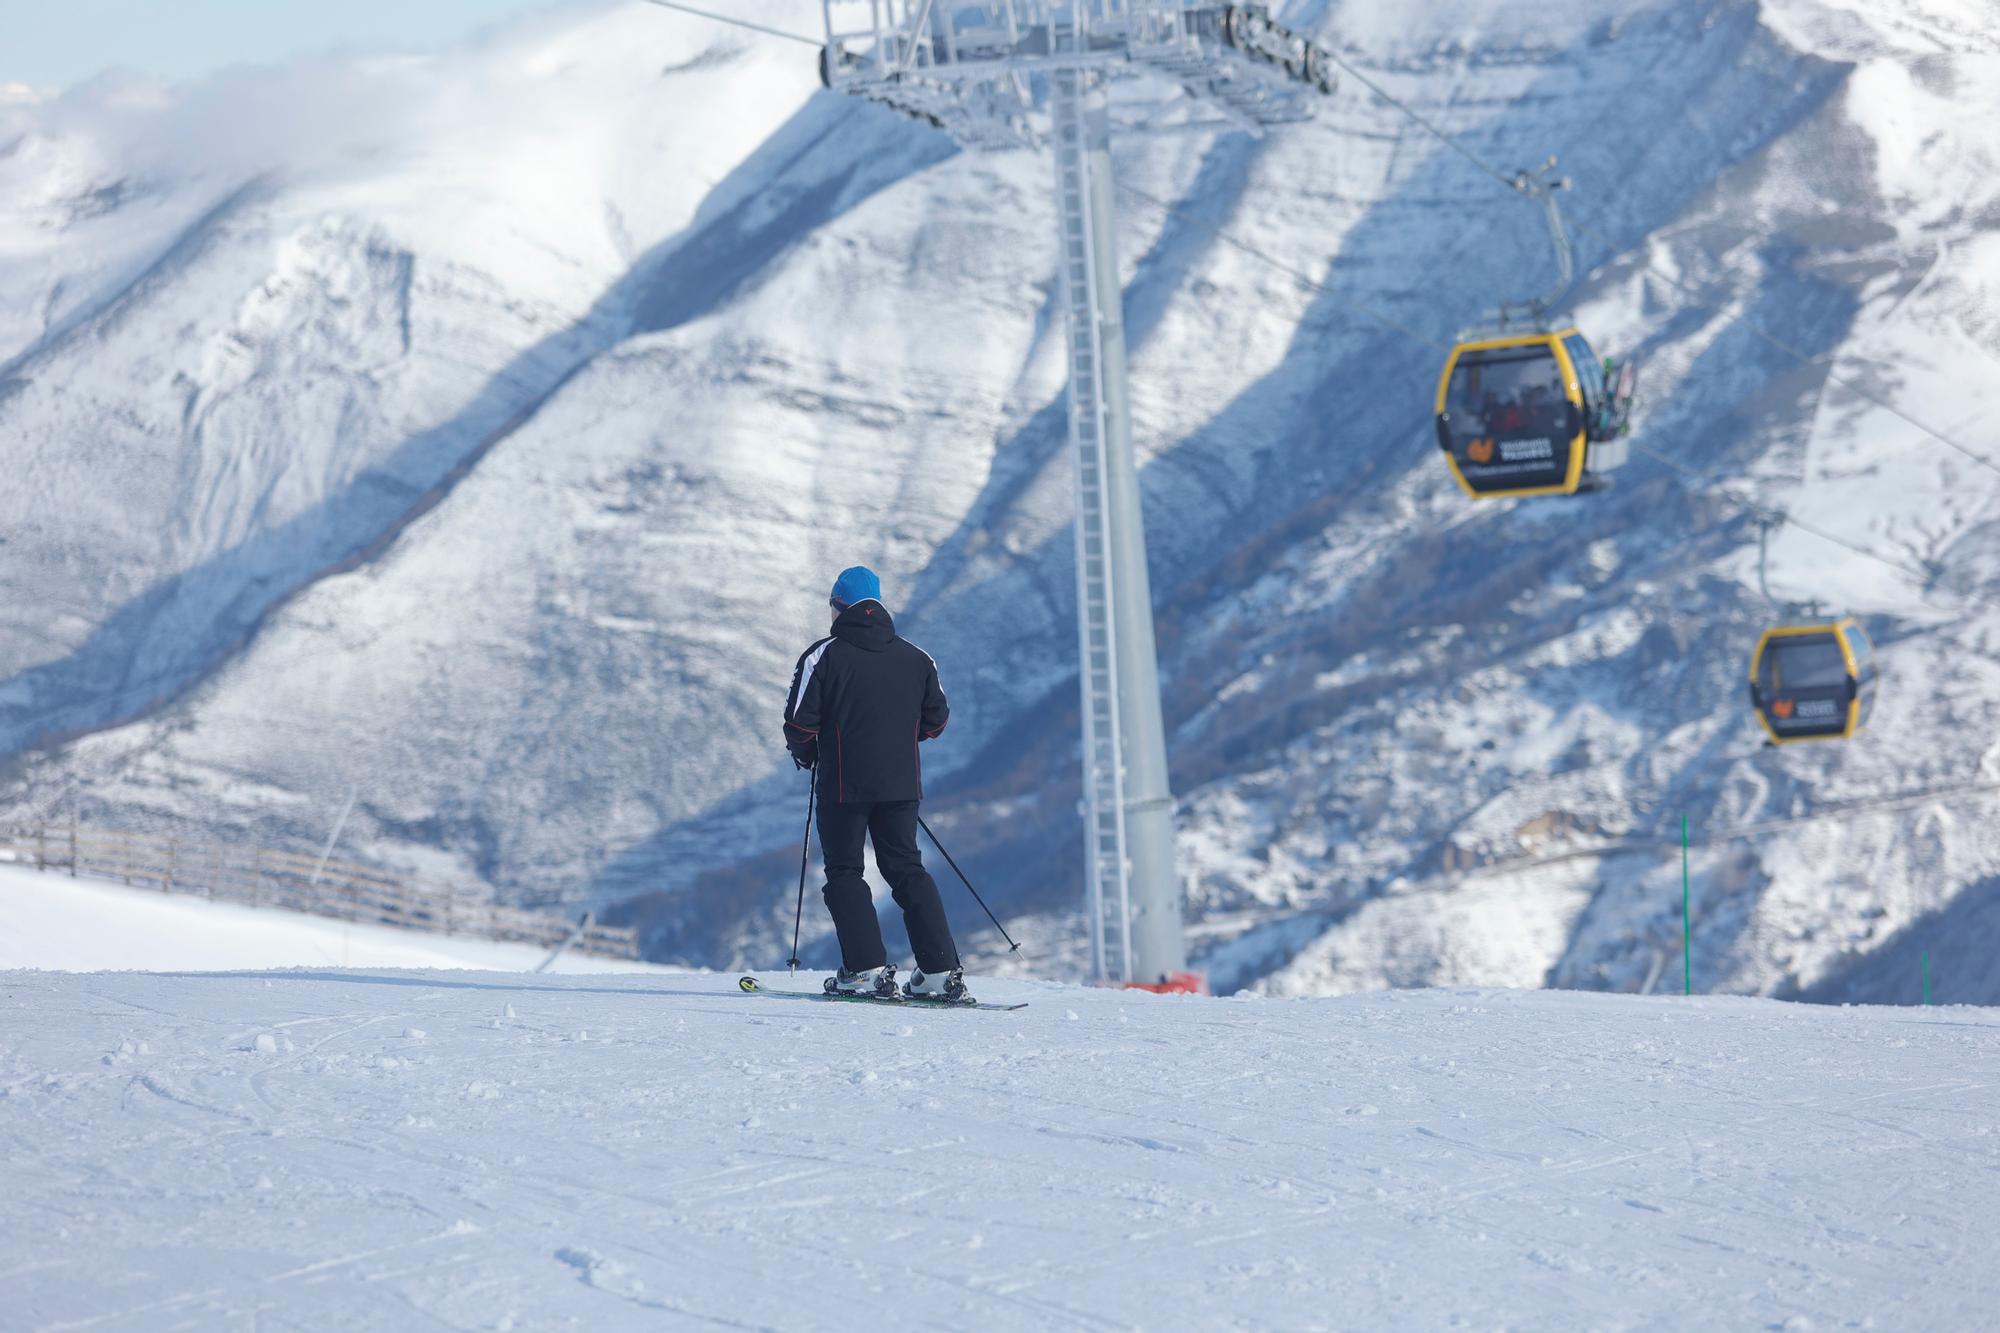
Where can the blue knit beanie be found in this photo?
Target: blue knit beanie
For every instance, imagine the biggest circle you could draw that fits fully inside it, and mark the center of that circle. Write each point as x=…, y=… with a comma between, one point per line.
x=858, y=584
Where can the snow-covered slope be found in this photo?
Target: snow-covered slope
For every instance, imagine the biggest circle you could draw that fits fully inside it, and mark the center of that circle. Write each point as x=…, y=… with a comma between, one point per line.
x=469, y=1151
x=59, y=924
x=488, y=426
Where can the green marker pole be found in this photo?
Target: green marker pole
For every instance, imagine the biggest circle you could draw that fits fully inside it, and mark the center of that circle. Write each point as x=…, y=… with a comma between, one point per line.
x=1687, y=918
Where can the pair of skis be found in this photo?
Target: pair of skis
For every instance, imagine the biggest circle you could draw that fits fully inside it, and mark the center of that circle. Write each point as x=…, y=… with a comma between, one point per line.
x=751, y=986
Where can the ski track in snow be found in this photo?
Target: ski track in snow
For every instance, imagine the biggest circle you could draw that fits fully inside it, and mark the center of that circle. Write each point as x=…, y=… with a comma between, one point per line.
x=393, y=1150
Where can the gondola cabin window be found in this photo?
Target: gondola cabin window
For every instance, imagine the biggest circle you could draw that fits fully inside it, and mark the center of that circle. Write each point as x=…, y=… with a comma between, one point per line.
x=1803, y=664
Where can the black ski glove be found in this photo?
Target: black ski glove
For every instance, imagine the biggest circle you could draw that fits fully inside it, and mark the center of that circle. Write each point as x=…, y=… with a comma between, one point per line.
x=806, y=758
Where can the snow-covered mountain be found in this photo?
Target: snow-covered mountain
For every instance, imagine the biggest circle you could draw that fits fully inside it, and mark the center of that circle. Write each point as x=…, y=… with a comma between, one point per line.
x=481, y=432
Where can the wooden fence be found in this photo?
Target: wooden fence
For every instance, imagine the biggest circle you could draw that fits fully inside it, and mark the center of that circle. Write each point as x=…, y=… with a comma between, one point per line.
x=295, y=882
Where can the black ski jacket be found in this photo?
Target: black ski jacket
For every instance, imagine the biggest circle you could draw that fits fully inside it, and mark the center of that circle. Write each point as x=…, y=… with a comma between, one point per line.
x=861, y=702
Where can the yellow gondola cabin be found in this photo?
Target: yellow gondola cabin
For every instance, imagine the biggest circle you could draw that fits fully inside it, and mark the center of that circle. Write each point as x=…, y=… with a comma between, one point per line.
x=1530, y=414
x=1813, y=682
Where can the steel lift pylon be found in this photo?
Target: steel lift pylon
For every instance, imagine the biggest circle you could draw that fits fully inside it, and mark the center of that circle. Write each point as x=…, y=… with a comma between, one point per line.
x=1022, y=74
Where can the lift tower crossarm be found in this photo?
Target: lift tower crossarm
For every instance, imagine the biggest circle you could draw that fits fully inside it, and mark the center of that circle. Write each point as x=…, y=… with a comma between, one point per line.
x=964, y=67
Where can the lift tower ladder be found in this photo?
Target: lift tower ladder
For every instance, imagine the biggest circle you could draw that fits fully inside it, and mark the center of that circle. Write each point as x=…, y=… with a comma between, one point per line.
x=1001, y=74
x=1106, y=879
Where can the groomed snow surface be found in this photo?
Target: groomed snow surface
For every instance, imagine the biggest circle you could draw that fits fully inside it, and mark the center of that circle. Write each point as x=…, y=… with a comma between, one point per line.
x=319, y=1149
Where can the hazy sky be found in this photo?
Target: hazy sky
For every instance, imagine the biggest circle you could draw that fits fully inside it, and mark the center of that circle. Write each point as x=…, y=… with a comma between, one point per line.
x=50, y=44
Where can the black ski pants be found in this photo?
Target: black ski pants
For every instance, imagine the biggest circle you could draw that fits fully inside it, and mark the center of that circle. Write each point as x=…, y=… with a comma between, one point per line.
x=892, y=827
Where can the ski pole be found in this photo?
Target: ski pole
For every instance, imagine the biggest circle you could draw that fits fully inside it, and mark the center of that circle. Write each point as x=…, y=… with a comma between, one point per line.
x=805, y=845
x=968, y=887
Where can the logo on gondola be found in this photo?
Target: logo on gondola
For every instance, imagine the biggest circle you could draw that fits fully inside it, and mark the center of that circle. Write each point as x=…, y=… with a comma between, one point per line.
x=1818, y=708
x=1480, y=451
x=1781, y=709
x=1527, y=451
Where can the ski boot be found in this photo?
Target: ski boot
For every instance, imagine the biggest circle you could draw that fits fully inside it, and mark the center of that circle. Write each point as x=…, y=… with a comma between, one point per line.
x=873, y=983
x=938, y=987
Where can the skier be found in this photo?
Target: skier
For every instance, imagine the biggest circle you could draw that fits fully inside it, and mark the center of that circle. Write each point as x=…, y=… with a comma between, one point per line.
x=862, y=700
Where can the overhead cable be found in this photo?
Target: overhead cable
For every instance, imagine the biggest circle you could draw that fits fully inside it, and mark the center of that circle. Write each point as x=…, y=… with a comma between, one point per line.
x=1419, y=117
x=1300, y=275
x=1781, y=516
x=737, y=22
